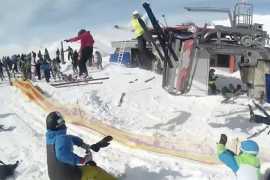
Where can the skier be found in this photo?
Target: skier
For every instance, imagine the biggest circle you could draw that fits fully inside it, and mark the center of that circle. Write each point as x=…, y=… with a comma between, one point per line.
x=47, y=55
x=139, y=34
x=2, y=71
x=26, y=67
x=56, y=68
x=212, y=83
x=14, y=62
x=98, y=60
x=86, y=50
x=74, y=58
x=34, y=56
x=40, y=56
x=246, y=165
x=37, y=69
x=70, y=52
x=63, y=163
x=254, y=118
x=58, y=56
x=45, y=66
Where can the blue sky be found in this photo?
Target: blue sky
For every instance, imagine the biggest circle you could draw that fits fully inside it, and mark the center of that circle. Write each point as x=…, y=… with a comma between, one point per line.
x=28, y=23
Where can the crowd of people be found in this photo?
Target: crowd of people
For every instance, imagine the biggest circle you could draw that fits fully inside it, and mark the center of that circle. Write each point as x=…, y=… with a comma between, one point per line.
x=31, y=66
x=36, y=66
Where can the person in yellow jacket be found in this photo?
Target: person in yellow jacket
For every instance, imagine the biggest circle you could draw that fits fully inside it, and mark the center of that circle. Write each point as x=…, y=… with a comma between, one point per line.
x=145, y=55
x=139, y=34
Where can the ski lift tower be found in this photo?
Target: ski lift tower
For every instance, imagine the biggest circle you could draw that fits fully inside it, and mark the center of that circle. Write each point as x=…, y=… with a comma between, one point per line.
x=243, y=14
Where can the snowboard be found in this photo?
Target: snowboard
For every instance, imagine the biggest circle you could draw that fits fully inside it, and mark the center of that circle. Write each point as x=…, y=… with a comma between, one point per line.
x=95, y=173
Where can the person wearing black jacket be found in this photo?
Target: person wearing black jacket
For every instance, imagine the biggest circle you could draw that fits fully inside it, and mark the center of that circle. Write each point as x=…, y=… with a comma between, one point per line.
x=75, y=59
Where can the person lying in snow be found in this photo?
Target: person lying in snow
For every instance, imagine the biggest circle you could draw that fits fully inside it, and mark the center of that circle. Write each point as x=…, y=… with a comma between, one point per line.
x=254, y=118
x=7, y=170
x=62, y=162
x=212, y=88
x=246, y=165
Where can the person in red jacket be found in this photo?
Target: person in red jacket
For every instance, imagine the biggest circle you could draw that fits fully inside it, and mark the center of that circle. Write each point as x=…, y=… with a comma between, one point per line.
x=86, y=50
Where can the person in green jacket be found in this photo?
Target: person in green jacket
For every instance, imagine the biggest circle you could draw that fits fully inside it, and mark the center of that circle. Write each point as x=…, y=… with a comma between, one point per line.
x=245, y=165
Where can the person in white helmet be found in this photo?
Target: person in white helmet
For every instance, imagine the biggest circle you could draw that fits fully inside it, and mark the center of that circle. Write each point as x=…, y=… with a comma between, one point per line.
x=138, y=31
x=139, y=34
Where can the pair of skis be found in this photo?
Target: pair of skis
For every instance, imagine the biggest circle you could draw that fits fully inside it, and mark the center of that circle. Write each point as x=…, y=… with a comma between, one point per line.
x=79, y=82
x=161, y=36
x=232, y=98
x=264, y=129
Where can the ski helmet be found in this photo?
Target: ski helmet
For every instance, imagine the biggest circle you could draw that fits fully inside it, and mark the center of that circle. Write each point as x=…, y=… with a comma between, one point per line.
x=81, y=31
x=55, y=121
x=134, y=13
x=250, y=147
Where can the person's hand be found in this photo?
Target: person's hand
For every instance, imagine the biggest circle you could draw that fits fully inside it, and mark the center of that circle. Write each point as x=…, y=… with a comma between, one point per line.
x=87, y=158
x=101, y=144
x=223, y=139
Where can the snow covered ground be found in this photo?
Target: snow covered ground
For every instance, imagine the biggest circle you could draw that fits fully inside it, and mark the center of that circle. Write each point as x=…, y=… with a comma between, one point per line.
x=146, y=110
x=27, y=144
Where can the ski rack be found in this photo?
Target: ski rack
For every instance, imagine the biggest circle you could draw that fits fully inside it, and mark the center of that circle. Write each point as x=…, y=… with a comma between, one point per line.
x=162, y=38
x=182, y=148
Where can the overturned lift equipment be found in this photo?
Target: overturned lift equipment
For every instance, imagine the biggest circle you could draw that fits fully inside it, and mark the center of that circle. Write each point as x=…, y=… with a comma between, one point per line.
x=184, y=51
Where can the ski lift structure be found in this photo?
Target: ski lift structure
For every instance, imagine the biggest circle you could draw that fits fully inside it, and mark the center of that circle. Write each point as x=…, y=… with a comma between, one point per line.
x=192, y=50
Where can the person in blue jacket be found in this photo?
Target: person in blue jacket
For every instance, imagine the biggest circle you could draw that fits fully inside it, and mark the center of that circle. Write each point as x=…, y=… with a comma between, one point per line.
x=63, y=163
x=246, y=165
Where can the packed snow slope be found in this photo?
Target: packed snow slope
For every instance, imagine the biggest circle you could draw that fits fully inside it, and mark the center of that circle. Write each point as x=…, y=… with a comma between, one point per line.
x=27, y=143
x=147, y=110
x=182, y=123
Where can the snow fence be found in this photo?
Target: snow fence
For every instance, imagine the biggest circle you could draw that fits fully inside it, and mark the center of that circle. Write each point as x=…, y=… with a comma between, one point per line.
x=186, y=147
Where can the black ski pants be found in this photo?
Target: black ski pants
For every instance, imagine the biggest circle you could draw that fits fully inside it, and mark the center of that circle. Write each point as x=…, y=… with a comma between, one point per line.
x=86, y=54
x=145, y=55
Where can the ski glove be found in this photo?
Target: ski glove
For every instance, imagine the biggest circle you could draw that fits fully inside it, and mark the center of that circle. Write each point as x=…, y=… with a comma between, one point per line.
x=223, y=139
x=101, y=144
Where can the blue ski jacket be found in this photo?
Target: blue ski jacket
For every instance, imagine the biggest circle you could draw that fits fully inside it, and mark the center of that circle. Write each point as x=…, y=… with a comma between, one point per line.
x=63, y=144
